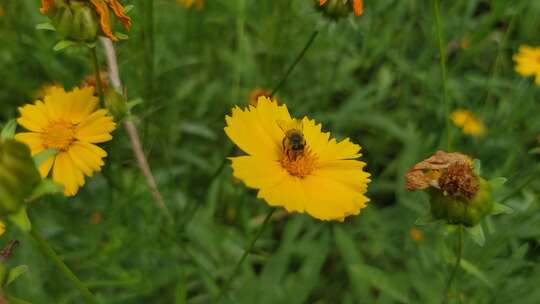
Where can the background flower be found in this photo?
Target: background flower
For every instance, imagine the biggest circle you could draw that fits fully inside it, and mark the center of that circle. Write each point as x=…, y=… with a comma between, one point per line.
x=528, y=62
x=69, y=123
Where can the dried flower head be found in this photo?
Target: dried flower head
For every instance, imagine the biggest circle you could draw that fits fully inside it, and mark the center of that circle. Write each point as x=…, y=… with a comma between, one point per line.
x=459, y=180
x=357, y=6
x=90, y=81
x=427, y=173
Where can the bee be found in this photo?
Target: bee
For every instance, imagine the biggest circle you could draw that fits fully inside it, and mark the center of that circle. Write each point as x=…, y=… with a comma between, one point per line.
x=294, y=142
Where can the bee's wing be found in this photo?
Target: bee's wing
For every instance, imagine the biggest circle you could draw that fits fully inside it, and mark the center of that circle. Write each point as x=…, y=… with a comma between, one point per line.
x=294, y=124
x=297, y=125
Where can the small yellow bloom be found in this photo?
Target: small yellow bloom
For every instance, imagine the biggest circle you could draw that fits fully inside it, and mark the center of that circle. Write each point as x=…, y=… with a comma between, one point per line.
x=294, y=164
x=198, y=4
x=468, y=122
x=2, y=227
x=70, y=123
x=528, y=62
x=1, y=11
x=416, y=234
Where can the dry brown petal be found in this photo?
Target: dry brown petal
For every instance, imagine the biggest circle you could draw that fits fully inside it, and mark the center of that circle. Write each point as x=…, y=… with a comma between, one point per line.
x=459, y=180
x=426, y=173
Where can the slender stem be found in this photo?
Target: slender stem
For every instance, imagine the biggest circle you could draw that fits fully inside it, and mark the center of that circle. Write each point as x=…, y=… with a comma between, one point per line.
x=442, y=55
x=296, y=61
x=456, y=266
x=46, y=249
x=225, y=287
x=97, y=74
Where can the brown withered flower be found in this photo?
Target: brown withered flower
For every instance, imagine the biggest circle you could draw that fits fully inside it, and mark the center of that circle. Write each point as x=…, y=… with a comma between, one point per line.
x=253, y=96
x=459, y=180
x=428, y=172
x=102, y=8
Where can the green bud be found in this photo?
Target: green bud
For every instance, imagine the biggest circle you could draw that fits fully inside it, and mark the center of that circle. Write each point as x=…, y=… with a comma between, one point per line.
x=334, y=9
x=75, y=20
x=462, y=210
x=18, y=175
x=116, y=104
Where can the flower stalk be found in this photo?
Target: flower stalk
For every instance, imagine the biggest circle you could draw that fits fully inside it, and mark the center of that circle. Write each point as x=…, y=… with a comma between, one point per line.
x=228, y=282
x=95, y=64
x=47, y=251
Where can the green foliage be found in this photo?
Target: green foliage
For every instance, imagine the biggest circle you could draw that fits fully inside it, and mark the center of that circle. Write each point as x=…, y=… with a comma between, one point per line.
x=374, y=79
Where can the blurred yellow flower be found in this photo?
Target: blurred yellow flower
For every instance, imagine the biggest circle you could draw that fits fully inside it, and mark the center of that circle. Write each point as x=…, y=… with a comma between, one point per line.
x=198, y=4
x=1, y=11
x=528, y=62
x=294, y=164
x=416, y=234
x=69, y=123
x=254, y=95
x=2, y=227
x=468, y=122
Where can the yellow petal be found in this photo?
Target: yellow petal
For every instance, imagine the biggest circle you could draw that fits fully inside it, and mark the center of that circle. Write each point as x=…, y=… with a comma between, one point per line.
x=255, y=130
x=32, y=140
x=90, y=154
x=34, y=117
x=325, y=149
x=96, y=128
x=257, y=172
x=2, y=227
x=289, y=194
x=46, y=166
x=65, y=174
x=346, y=172
x=82, y=102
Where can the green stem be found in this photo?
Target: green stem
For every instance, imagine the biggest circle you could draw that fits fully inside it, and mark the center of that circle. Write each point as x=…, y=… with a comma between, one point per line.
x=46, y=249
x=442, y=54
x=225, y=287
x=148, y=33
x=97, y=74
x=456, y=266
x=296, y=61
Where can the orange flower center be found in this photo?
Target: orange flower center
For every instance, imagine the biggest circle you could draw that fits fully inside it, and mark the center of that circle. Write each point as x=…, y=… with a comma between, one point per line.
x=300, y=166
x=59, y=135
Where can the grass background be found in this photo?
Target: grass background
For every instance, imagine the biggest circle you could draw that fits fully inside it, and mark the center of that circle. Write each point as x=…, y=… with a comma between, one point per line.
x=375, y=79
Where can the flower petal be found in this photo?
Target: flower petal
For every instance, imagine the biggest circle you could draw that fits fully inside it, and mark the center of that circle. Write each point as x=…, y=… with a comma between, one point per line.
x=96, y=128
x=257, y=172
x=289, y=193
x=90, y=154
x=82, y=102
x=32, y=140
x=46, y=166
x=66, y=174
x=326, y=149
x=255, y=130
x=34, y=117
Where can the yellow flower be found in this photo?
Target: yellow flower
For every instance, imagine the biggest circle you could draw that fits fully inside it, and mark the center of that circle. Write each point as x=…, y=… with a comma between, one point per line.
x=199, y=4
x=416, y=234
x=294, y=164
x=70, y=123
x=2, y=227
x=528, y=62
x=468, y=122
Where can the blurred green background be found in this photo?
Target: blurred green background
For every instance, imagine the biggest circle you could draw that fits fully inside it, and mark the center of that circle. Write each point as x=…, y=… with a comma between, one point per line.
x=375, y=79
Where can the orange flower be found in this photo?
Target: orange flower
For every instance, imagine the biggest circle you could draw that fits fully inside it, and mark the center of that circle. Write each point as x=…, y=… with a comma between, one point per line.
x=357, y=5
x=102, y=9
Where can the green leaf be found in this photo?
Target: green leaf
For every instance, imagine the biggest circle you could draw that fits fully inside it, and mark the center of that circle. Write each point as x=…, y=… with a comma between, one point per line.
x=497, y=182
x=121, y=36
x=45, y=26
x=477, y=234
x=474, y=271
x=477, y=166
x=133, y=103
x=20, y=218
x=45, y=187
x=15, y=272
x=43, y=156
x=8, y=131
x=14, y=300
x=501, y=209
x=425, y=220
x=128, y=8
x=62, y=44
x=534, y=150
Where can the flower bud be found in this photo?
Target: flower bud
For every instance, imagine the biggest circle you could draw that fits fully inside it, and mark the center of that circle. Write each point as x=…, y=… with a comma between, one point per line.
x=116, y=104
x=462, y=210
x=334, y=9
x=76, y=20
x=18, y=175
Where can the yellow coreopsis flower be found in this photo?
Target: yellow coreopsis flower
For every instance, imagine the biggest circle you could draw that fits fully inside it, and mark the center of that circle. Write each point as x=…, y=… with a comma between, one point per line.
x=468, y=122
x=70, y=123
x=198, y=4
x=294, y=164
x=528, y=62
x=2, y=227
